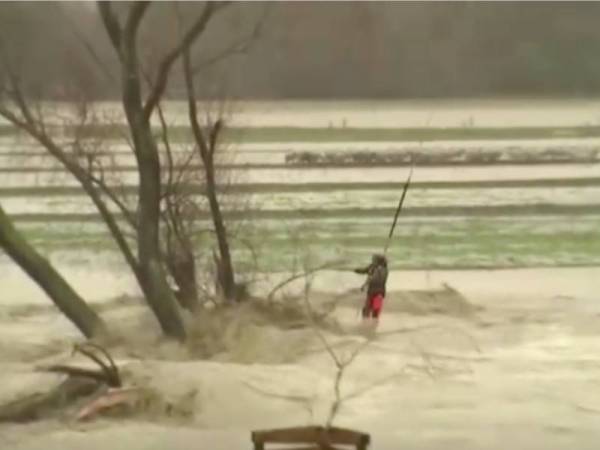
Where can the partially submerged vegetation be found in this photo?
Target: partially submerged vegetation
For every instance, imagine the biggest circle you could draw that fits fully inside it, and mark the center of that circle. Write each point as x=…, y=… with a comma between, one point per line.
x=150, y=227
x=456, y=156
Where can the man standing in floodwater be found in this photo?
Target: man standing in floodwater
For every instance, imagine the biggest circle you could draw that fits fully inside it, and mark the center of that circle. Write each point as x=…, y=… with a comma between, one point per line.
x=377, y=273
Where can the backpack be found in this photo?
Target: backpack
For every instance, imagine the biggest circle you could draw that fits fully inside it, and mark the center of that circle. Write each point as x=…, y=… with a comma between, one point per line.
x=378, y=278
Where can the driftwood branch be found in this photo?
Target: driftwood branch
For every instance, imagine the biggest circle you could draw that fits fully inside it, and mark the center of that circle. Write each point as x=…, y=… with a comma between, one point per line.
x=72, y=371
x=38, y=406
x=81, y=382
x=111, y=373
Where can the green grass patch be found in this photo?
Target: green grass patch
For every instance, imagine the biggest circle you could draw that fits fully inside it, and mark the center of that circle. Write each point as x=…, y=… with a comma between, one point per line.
x=541, y=209
x=308, y=134
x=254, y=188
x=458, y=244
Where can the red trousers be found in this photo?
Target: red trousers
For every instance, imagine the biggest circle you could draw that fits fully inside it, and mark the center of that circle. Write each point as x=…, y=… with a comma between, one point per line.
x=373, y=306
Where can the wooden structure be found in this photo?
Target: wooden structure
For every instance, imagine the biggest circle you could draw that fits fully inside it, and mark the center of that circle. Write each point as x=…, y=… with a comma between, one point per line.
x=312, y=437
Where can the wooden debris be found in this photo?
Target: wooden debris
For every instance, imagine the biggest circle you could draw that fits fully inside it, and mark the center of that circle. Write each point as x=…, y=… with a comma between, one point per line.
x=317, y=438
x=107, y=400
x=81, y=383
x=39, y=405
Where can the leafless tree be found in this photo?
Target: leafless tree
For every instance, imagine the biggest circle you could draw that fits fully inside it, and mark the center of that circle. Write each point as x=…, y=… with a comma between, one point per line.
x=138, y=236
x=207, y=143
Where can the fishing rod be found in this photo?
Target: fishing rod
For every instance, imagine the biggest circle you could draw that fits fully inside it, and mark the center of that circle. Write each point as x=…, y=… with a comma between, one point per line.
x=398, y=209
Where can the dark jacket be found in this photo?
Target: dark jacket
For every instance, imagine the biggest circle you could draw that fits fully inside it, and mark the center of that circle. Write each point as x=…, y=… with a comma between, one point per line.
x=377, y=274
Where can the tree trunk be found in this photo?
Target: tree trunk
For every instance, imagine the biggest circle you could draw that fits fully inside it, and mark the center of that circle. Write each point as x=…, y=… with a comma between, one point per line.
x=227, y=277
x=157, y=290
x=42, y=272
x=185, y=279
x=182, y=267
x=154, y=280
x=207, y=150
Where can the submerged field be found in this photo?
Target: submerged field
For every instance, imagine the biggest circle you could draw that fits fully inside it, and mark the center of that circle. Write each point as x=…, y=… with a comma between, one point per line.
x=493, y=267
x=530, y=210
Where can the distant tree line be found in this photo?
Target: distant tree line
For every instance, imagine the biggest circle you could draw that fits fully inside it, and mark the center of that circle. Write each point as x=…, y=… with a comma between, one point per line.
x=335, y=49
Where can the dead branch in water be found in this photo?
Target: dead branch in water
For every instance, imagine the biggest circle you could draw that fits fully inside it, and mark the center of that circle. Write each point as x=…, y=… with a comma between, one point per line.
x=299, y=275
x=80, y=372
x=343, y=363
x=111, y=375
x=104, y=385
x=37, y=406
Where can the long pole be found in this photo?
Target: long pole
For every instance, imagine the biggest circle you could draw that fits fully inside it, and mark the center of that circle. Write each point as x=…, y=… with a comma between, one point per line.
x=398, y=209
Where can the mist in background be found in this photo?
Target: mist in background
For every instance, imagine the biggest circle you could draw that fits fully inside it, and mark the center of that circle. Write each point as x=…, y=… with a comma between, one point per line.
x=327, y=49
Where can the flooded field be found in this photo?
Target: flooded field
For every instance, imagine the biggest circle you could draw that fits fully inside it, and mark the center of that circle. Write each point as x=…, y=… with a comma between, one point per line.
x=513, y=362
x=455, y=216
x=388, y=114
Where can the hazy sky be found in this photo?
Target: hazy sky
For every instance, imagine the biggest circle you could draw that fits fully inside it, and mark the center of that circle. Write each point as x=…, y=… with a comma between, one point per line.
x=334, y=49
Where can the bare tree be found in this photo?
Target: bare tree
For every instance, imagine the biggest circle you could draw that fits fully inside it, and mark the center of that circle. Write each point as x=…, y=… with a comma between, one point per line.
x=153, y=235
x=82, y=163
x=206, y=143
x=138, y=113
x=15, y=108
x=177, y=216
x=179, y=256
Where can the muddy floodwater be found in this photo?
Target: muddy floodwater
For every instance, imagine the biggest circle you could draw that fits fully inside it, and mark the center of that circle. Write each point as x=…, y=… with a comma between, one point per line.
x=514, y=363
x=490, y=333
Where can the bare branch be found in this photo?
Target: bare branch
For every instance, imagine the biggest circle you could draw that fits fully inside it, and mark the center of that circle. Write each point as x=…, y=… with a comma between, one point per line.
x=16, y=121
x=136, y=14
x=241, y=46
x=172, y=218
x=342, y=363
x=309, y=311
x=89, y=47
x=109, y=375
x=165, y=66
x=16, y=92
x=111, y=361
x=215, y=132
x=193, y=110
x=167, y=144
x=115, y=199
x=111, y=23
x=237, y=48
x=290, y=397
x=297, y=276
x=32, y=127
x=99, y=376
x=305, y=401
